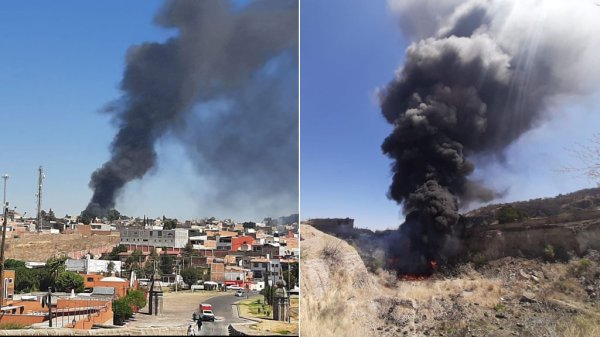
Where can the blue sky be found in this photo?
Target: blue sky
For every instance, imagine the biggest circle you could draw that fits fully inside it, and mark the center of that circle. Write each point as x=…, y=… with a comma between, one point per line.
x=60, y=63
x=349, y=51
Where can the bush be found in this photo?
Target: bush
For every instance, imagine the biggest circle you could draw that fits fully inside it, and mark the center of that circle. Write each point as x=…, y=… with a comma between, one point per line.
x=136, y=298
x=549, y=254
x=121, y=311
x=331, y=254
x=479, y=260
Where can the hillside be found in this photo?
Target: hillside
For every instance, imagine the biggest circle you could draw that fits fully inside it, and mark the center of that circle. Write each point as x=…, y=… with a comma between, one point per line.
x=498, y=298
x=580, y=205
x=40, y=247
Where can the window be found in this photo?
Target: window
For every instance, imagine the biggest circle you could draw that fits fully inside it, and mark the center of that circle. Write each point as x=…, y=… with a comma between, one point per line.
x=90, y=279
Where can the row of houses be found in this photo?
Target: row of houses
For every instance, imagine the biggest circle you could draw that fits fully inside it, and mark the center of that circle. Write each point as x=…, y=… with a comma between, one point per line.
x=235, y=254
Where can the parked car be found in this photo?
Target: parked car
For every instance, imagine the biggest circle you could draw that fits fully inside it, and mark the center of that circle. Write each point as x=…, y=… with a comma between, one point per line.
x=234, y=287
x=197, y=287
x=239, y=293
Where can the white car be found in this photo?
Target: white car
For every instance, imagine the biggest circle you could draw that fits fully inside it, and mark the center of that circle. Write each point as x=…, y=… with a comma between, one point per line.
x=239, y=293
x=234, y=287
x=197, y=287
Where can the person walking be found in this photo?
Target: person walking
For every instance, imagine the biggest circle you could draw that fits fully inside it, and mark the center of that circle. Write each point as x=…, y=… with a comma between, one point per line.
x=190, y=330
x=199, y=322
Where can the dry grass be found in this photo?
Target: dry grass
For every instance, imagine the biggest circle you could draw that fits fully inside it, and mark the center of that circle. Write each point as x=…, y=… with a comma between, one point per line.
x=485, y=292
x=332, y=296
x=330, y=315
x=580, y=326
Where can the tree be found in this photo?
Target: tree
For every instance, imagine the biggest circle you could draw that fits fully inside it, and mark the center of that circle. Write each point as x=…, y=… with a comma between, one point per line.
x=508, y=214
x=190, y=275
x=110, y=268
x=589, y=156
x=113, y=215
x=68, y=280
x=290, y=276
x=166, y=263
x=133, y=262
x=170, y=224
x=56, y=265
x=188, y=250
x=85, y=217
x=114, y=254
x=26, y=280
x=151, y=264
x=249, y=224
x=49, y=216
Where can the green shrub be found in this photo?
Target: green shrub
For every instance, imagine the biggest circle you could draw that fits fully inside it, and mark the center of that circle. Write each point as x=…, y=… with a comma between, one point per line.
x=479, y=260
x=583, y=267
x=500, y=307
x=121, y=311
x=549, y=254
x=137, y=298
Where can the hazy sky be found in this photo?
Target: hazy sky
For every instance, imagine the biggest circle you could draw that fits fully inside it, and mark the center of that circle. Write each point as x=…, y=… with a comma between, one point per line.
x=60, y=64
x=347, y=52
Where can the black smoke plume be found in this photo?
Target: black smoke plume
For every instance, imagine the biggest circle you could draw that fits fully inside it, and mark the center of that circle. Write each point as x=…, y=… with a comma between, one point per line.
x=225, y=86
x=466, y=92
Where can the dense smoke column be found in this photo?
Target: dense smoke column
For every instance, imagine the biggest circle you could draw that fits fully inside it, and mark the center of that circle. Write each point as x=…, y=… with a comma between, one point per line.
x=459, y=94
x=216, y=55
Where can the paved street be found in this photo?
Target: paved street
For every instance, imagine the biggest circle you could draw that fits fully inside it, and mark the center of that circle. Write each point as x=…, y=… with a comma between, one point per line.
x=177, y=310
x=225, y=314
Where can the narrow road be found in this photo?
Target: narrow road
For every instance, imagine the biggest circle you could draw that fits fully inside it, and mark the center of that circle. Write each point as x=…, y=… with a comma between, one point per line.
x=225, y=314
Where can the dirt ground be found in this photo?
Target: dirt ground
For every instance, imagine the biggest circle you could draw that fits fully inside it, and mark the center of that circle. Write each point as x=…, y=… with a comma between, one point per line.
x=177, y=310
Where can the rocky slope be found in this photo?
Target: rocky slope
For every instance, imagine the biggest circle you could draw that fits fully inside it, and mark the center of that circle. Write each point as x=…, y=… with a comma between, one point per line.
x=510, y=296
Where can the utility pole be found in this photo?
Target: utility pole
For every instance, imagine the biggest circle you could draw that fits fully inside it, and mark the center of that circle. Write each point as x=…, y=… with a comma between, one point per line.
x=5, y=177
x=4, y=222
x=39, y=198
x=177, y=276
x=2, y=255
